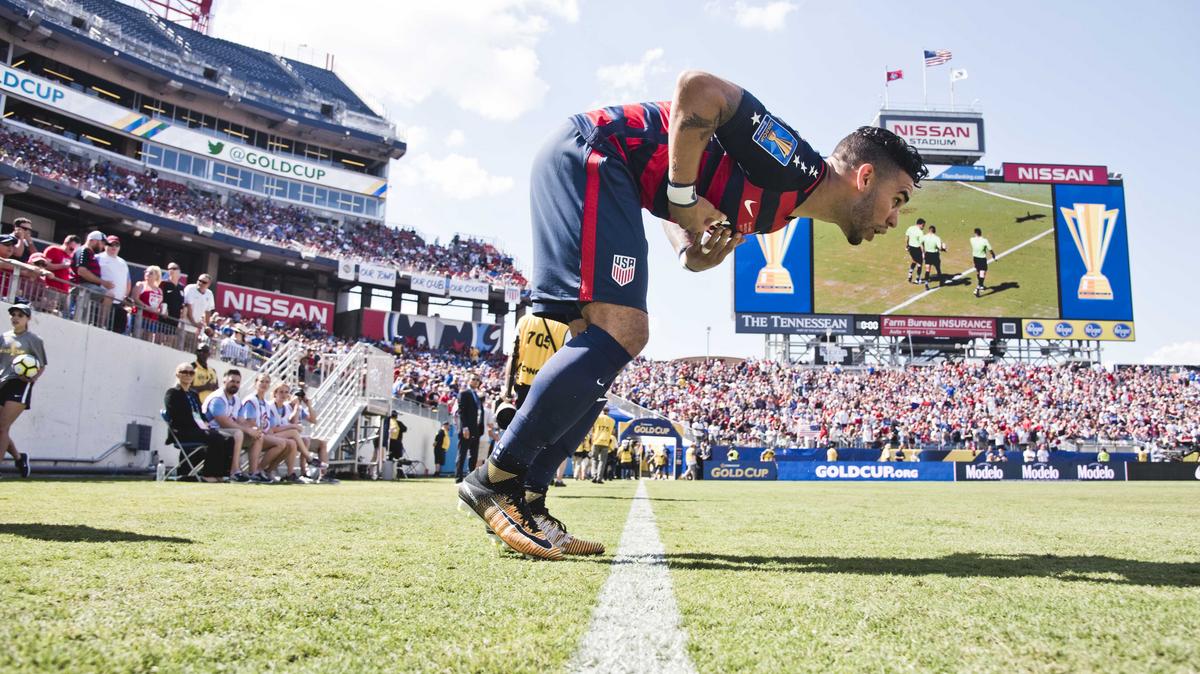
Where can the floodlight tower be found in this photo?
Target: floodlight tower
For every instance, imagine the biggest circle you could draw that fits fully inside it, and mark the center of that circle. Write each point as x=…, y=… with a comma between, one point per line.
x=194, y=14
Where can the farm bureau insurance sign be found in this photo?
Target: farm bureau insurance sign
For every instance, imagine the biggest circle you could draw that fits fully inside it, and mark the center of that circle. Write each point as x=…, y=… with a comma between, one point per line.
x=937, y=134
x=936, y=326
x=264, y=304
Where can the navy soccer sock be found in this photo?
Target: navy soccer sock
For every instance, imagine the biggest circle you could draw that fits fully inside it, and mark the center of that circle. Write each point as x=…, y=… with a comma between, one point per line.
x=544, y=465
x=567, y=386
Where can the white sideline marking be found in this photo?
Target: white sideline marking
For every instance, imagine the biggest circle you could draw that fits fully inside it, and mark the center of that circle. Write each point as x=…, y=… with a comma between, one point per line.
x=971, y=270
x=635, y=627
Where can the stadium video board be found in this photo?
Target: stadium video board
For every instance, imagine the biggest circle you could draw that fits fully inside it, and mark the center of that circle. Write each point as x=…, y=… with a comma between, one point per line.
x=1061, y=269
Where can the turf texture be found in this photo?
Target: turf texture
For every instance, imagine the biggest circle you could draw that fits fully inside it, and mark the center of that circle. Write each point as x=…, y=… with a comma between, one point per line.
x=139, y=576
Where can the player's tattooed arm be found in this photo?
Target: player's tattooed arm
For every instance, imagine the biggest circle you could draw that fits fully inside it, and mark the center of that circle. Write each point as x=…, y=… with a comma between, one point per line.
x=702, y=102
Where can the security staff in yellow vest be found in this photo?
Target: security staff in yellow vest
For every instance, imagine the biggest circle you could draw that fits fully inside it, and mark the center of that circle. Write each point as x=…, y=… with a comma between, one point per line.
x=625, y=459
x=582, y=457
x=537, y=339
x=441, y=444
x=603, y=436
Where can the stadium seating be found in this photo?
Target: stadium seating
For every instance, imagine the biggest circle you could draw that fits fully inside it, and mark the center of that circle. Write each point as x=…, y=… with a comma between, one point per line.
x=134, y=24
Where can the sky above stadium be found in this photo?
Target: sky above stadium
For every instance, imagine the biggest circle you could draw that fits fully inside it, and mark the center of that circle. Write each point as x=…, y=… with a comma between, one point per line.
x=477, y=84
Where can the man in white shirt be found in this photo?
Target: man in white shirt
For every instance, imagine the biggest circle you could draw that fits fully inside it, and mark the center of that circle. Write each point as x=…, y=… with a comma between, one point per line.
x=115, y=270
x=199, y=302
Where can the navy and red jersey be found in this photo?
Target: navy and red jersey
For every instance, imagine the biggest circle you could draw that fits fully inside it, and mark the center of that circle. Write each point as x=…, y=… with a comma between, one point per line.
x=755, y=170
x=86, y=259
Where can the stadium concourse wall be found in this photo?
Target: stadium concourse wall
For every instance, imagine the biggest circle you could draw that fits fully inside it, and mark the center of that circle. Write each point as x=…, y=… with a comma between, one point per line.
x=96, y=383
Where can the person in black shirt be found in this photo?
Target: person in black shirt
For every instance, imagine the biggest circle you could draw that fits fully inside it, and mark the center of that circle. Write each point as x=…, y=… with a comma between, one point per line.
x=172, y=290
x=186, y=419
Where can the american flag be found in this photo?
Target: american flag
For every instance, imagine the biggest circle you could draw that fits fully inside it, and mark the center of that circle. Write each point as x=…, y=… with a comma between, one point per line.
x=936, y=58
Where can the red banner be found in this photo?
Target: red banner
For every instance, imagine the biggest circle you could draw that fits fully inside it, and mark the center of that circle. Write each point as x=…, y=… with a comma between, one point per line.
x=936, y=326
x=254, y=303
x=1064, y=174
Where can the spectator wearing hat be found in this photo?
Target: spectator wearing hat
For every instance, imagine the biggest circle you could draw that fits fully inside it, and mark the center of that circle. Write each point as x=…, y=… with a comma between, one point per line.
x=85, y=273
x=199, y=302
x=58, y=261
x=25, y=246
x=234, y=349
x=186, y=416
x=114, y=269
x=16, y=391
x=205, y=381
x=8, y=244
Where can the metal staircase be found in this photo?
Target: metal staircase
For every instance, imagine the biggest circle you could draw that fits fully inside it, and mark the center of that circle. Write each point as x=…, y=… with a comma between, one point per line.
x=284, y=363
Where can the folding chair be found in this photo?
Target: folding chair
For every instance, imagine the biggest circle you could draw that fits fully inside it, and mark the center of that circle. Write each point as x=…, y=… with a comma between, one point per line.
x=191, y=454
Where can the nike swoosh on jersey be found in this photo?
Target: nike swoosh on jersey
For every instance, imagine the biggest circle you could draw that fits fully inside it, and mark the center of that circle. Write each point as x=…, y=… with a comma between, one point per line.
x=748, y=203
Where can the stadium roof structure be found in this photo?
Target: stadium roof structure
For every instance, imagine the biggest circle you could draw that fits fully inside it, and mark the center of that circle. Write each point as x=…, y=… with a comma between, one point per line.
x=168, y=51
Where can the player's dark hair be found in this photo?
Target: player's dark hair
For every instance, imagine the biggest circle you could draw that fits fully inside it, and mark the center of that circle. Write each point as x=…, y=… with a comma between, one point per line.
x=234, y=372
x=932, y=229
x=873, y=145
x=920, y=221
x=978, y=232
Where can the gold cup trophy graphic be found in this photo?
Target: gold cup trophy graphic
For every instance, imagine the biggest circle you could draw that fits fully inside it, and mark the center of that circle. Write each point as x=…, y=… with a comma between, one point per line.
x=774, y=277
x=1092, y=227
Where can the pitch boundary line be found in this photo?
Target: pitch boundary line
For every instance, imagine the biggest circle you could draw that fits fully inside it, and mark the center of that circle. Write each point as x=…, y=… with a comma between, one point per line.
x=970, y=270
x=635, y=626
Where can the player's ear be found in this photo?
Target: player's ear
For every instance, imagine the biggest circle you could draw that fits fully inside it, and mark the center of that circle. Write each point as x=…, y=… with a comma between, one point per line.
x=863, y=175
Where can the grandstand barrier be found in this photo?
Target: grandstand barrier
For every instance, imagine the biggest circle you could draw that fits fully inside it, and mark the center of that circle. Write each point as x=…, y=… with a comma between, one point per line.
x=1163, y=471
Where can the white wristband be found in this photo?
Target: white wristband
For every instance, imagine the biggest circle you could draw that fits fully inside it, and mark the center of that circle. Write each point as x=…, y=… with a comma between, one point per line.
x=682, y=195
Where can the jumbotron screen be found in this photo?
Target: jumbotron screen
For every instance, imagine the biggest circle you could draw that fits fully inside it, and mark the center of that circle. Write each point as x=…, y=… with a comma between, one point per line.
x=1060, y=268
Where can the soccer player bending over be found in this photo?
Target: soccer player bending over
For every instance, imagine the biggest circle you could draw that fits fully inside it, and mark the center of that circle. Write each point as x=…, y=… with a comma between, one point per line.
x=980, y=248
x=716, y=166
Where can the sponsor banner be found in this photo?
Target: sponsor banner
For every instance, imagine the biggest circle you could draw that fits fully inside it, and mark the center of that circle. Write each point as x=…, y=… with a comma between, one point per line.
x=77, y=104
x=347, y=270
x=937, y=326
x=1039, y=472
x=963, y=173
x=472, y=290
x=772, y=273
x=461, y=335
x=1049, y=328
x=428, y=283
x=377, y=274
x=512, y=294
x=866, y=471
x=1065, y=174
x=254, y=303
x=432, y=332
x=937, y=135
x=1093, y=252
x=794, y=324
x=740, y=470
x=1164, y=471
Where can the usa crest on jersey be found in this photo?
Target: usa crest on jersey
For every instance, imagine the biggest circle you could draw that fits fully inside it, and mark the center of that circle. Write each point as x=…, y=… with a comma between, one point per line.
x=623, y=269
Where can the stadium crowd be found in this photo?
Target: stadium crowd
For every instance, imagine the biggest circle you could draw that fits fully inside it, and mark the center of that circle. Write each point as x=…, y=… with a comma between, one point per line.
x=757, y=402
x=261, y=219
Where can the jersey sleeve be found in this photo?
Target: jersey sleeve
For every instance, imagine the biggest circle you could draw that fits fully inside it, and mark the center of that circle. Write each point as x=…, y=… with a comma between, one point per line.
x=768, y=150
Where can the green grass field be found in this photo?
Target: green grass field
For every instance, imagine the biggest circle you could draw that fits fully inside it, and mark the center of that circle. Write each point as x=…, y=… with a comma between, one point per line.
x=871, y=278
x=138, y=576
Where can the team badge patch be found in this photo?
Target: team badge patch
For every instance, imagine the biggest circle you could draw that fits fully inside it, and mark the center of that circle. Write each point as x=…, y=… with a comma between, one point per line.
x=623, y=269
x=776, y=139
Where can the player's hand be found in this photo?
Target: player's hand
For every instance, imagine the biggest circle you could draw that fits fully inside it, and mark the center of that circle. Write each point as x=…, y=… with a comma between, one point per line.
x=466, y=433
x=705, y=254
x=697, y=218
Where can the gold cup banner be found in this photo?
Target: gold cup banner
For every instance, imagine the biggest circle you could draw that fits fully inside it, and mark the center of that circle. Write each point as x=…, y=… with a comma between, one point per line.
x=773, y=277
x=1092, y=227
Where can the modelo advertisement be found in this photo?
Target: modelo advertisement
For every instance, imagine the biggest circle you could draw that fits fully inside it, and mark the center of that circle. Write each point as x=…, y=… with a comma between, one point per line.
x=866, y=471
x=269, y=306
x=1040, y=472
x=739, y=463
x=1189, y=472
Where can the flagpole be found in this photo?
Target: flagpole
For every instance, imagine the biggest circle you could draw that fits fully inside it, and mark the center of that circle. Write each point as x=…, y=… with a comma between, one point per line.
x=952, y=88
x=887, y=80
x=924, y=78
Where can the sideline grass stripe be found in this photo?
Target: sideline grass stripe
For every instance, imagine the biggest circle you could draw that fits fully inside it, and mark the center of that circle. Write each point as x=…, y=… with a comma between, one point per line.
x=635, y=627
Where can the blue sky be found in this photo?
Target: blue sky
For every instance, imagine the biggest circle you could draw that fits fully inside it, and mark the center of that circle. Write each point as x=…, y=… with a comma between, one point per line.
x=478, y=84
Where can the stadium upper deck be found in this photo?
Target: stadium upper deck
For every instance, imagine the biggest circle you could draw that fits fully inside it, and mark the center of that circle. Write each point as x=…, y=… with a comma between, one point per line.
x=195, y=105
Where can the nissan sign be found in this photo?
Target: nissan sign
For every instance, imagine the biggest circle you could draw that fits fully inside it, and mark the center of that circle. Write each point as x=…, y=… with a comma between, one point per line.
x=253, y=303
x=1064, y=174
x=945, y=135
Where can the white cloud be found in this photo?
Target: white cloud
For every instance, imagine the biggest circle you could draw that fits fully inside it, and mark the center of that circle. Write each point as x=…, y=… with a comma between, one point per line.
x=768, y=16
x=456, y=138
x=481, y=54
x=416, y=136
x=1178, y=353
x=625, y=82
x=453, y=176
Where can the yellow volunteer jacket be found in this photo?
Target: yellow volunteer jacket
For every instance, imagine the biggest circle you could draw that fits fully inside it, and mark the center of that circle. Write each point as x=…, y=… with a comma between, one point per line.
x=603, y=431
x=536, y=345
